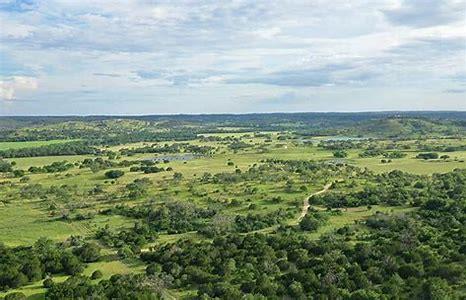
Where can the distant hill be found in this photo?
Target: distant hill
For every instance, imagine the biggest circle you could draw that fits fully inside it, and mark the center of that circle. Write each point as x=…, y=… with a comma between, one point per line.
x=371, y=124
x=396, y=127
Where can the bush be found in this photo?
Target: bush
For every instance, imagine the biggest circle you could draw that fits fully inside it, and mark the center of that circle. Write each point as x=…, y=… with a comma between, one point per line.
x=153, y=269
x=125, y=252
x=48, y=282
x=311, y=222
x=88, y=252
x=24, y=179
x=97, y=274
x=15, y=296
x=340, y=154
x=429, y=155
x=71, y=264
x=113, y=174
x=5, y=166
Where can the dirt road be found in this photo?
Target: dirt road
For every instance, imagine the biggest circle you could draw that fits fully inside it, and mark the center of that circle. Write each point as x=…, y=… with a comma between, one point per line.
x=306, y=201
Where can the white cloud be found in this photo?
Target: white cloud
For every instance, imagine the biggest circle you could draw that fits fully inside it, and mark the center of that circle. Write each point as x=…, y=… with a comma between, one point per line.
x=202, y=46
x=267, y=33
x=11, y=86
x=12, y=29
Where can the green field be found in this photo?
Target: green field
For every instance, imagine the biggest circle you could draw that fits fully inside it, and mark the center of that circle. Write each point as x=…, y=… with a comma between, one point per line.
x=30, y=144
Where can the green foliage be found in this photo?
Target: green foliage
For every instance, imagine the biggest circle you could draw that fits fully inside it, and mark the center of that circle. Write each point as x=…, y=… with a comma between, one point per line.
x=52, y=168
x=117, y=287
x=393, y=188
x=5, y=166
x=340, y=154
x=47, y=283
x=18, y=266
x=313, y=220
x=252, y=222
x=114, y=174
x=169, y=148
x=88, y=252
x=15, y=296
x=428, y=155
x=97, y=274
x=71, y=148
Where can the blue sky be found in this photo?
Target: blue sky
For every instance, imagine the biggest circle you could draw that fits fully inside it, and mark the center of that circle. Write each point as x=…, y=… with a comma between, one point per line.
x=157, y=57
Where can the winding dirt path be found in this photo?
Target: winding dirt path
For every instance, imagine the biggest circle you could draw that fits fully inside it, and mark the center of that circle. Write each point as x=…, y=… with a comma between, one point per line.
x=306, y=204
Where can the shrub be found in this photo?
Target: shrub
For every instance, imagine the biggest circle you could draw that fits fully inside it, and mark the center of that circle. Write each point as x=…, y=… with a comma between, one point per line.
x=113, y=174
x=340, y=154
x=153, y=269
x=311, y=222
x=88, y=252
x=15, y=296
x=429, y=155
x=48, y=282
x=97, y=274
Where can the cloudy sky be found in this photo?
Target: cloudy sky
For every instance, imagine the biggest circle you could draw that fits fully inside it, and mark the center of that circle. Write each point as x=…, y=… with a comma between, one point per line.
x=151, y=57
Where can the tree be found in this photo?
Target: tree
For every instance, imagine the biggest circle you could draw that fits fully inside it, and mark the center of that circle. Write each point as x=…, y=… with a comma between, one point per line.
x=5, y=166
x=125, y=252
x=296, y=290
x=88, y=252
x=48, y=282
x=340, y=154
x=113, y=174
x=311, y=222
x=15, y=296
x=177, y=176
x=71, y=264
x=435, y=289
x=429, y=155
x=75, y=287
x=153, y=269
x=364, y=294
x=97, y=274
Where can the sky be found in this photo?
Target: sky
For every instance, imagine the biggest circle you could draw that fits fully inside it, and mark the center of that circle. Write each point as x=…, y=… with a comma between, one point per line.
x=167, y=57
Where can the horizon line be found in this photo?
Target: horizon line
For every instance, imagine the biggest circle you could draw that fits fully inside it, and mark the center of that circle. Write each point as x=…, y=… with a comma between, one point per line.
x=238, y=114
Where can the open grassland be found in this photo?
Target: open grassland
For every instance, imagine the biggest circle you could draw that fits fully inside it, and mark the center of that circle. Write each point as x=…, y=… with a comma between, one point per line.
x=22, y=223
x=30, y=144
x=412, y=165
x=26, y=162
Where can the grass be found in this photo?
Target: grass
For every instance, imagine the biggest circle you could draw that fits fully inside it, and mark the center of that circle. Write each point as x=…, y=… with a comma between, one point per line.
x=353, y=214
x=412, y=165
x=30, y=144
x=22, y=223
x=108, y=268
x=26, y=162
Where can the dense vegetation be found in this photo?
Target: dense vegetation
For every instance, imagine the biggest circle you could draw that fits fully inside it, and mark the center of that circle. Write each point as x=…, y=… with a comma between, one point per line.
x=27, y=264
x=71, y=148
